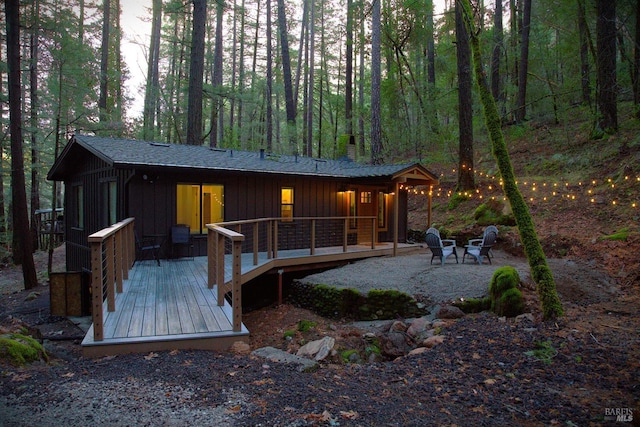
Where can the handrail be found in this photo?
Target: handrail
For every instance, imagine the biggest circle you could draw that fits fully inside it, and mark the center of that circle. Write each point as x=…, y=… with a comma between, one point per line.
x=112, y=255
x=219, y=234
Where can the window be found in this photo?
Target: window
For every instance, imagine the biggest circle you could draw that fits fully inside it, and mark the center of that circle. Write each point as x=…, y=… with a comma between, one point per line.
x=353, y=211
x=109, y=203
x=78, y=200
x=286, y=204
x=382, y=210
x=198, y=205
x=365, y=197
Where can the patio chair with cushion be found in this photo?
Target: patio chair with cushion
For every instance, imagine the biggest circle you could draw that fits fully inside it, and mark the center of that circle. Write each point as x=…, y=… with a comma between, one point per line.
x=439, y=247
x=479, y=248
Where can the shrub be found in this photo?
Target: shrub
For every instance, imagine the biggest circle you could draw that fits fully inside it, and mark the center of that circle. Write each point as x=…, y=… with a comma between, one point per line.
x=506, y=299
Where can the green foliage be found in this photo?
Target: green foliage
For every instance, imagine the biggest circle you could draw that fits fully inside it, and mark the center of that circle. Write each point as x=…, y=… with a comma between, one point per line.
x=474, y=305
x=289, y=334
x=504, y=295
x=332, y=302
x=305, y=325
x=346, y=355
x=456, y=199
x=620, y=235
x=544, y=352
x=21, y=349
x=490, y=213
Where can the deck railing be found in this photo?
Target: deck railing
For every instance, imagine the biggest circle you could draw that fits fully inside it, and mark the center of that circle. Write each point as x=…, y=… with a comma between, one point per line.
x=112, y=255
x=271, y=235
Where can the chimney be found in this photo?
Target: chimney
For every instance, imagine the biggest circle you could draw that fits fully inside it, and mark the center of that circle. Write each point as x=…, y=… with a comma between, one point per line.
x=351, y=152
x=262, y=154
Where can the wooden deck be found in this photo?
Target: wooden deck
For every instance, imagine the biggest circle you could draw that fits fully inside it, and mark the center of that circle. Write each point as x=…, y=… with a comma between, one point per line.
x=170, y=306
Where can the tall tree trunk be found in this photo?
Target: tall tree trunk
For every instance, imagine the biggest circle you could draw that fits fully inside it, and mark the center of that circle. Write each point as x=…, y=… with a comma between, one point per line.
x=607, y=120
x=524, y=63
x=196, y=73
x=33, y=108
x=310, y=97
x=268, y=95
x=540, y=271
x=216, y=123
x=348, y=87
x=286, y=75
x=152, y=89
x=376, y=124
x=117, y=116
x=241, y=77
x=585, y=69
x=3, y=217
x=362, y=43
x=431, y=68
x=498, y=38
x=104, y=64
x=22, y=249
x=636, y=63
x=465, y=113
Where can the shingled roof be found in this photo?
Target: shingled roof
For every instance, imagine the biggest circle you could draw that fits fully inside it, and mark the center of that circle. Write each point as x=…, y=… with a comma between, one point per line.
x=129, y=153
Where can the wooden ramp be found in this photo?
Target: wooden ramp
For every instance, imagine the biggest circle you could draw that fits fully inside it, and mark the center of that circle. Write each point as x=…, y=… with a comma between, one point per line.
x=170, y=306
x=165, y=308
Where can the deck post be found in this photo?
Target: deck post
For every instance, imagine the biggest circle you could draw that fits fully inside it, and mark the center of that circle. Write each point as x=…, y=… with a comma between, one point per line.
x=220, y=267
x=373, y=233
x=346, y=234
x=269, y=240
x=313, y=236
x=237, y=285
x=96, y=291
x=211, y=258
x=275, y=238
x=396, y=212
x=109, y=265
x=256, y=243
x=120, y=261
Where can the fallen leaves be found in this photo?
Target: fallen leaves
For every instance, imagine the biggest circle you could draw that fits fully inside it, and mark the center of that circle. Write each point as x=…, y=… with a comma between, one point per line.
x=151, y=356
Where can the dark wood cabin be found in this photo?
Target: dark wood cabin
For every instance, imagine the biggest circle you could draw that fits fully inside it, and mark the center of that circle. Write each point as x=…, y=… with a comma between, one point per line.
x=108, y=179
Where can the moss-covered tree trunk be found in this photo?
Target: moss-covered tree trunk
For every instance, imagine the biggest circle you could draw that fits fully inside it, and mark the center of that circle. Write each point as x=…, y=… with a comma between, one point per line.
x=540, y=271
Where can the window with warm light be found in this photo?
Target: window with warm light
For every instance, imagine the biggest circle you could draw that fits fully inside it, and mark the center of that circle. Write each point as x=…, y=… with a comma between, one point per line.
x=198, y=205
x=365, y=197
x=382, y=210
x=286, y=204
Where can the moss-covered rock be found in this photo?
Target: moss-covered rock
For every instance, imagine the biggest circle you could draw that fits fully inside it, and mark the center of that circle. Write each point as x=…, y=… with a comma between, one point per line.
x=504, y=295
x=21, y=349
x=332, y=302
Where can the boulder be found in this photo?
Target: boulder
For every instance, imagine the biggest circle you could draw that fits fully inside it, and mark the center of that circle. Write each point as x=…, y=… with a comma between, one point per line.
x=278, y=356
x=418, y=327
x=450, y=312
x=433, y=341
x=318, y=349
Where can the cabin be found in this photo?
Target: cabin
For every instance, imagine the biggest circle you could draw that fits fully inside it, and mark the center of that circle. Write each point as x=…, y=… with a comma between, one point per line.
x=107, y=180
x=247, y=214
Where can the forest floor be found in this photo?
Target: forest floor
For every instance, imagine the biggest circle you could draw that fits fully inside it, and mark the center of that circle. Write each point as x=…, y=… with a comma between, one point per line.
x=581, y=369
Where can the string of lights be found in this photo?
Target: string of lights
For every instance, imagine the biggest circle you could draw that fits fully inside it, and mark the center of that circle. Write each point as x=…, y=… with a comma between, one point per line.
x=606, y=191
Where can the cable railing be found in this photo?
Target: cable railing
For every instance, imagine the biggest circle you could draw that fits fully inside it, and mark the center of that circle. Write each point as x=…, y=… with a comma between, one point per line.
x=112, y=255
x=271, y=238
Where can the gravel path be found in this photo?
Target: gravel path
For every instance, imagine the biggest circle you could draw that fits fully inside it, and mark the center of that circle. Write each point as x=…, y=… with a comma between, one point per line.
x=414, y=275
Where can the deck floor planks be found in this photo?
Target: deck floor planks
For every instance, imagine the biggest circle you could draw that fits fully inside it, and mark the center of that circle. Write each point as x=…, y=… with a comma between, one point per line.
x=173, y=302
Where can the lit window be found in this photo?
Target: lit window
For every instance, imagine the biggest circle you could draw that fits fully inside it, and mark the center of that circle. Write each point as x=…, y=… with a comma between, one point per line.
x=198, y=205
x=365, y=197
x=286, y=204
x=382, y=210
